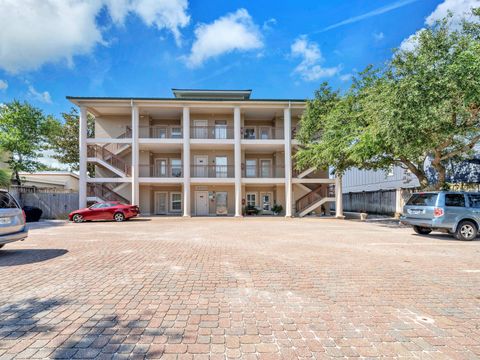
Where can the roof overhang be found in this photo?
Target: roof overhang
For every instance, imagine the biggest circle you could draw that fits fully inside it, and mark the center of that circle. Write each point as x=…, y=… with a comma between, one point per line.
x=212, y=94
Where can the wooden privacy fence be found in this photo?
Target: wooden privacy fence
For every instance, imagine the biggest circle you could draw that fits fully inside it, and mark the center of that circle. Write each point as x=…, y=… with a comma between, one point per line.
x=55, y=204
x=375, y=202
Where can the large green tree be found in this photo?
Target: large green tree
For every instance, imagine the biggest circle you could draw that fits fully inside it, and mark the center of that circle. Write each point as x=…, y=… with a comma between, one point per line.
x=23, y=134
x=64, y=139
x=422, y=109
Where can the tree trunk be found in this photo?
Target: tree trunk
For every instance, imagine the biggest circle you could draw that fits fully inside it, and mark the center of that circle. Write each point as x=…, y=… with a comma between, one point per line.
x=419, y=173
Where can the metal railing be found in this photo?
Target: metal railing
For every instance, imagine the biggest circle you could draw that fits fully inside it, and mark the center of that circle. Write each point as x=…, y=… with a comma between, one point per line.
x=110, y=158
x=253, y=171
x=321, y=191
x=105, y=192
x=123, y=131
x=211, y=132
x=212, y=171
x=161, y=171
x=262, y=133
x=160, y=132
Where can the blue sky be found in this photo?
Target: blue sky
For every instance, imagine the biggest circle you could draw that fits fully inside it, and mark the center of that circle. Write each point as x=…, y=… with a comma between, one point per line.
x=280, y=49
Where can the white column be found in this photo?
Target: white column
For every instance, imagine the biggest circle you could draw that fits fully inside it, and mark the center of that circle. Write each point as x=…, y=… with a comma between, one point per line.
x=338, y=198
x=238, y=161
x=186, y=162
x=82, y=143
x=135, y=157
x=287, y=129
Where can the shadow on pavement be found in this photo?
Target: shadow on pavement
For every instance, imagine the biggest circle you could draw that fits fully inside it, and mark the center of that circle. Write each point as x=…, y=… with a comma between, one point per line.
x=25, y=318
x=28, y=256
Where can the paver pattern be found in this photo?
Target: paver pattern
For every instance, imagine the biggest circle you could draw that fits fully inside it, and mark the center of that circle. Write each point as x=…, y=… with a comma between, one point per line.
x=265, y=288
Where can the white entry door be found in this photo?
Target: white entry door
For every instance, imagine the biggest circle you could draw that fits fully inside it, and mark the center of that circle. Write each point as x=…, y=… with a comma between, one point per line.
x=201, y=203
x=161, y=203
x=201, y=166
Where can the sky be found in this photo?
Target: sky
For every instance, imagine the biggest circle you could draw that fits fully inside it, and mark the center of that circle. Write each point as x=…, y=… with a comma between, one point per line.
x=142, y=48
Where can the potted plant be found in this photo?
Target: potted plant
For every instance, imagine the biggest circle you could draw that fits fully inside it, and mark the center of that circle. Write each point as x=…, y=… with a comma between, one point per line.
x=277, y=209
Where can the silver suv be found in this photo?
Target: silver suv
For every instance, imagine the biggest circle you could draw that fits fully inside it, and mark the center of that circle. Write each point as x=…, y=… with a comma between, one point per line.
x=12, y=220
x=457, y=213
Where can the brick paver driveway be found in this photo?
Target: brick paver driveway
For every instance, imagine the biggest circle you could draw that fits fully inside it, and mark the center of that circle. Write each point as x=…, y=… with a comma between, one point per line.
x=225, y=288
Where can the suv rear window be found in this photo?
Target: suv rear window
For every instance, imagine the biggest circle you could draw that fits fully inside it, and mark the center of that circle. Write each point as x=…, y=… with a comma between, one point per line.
x=457, y=200
x=7, y=201
x=420, y=199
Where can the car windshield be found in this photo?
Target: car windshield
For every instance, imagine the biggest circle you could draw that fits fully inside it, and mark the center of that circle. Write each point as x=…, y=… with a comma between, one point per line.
x=7, y=201
x=422, y=199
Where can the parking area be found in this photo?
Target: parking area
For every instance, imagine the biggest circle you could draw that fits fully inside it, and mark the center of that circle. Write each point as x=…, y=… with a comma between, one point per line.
x=251, y=288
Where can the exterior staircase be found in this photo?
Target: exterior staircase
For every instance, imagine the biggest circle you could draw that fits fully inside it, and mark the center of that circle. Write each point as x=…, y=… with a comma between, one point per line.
x=109, y=160
x=104, y=192
x=313, y=200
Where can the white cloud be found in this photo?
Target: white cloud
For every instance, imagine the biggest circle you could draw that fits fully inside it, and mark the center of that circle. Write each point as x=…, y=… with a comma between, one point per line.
x=379, y=36
x=40, y=96
x=346, y=77
x=459, y=9
x=38, y=32
x=233, y=32
x=269, y=24
x=3, y=85
x=310, y=68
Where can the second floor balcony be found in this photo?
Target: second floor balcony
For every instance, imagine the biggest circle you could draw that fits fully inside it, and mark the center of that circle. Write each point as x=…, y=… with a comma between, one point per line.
x=212, y=171
x=160, y=132
x=265, y=171
x=161, y=170
x=212, y=132
x=262, y=133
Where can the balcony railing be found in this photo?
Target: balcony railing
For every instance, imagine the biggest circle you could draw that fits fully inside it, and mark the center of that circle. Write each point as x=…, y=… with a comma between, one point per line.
x=212, y=171
x=161, y=171
x=96, y=151
x=262, y=133
x=114, y=132
x=253, y=171
x=211, y=132
x=161, y=132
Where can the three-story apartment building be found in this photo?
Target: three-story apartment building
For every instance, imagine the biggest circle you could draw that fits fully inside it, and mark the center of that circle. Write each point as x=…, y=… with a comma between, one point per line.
x=200, y=153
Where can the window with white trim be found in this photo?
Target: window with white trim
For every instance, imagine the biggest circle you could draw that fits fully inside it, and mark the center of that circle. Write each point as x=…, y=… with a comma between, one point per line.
x=175, y=201
x=251, y=199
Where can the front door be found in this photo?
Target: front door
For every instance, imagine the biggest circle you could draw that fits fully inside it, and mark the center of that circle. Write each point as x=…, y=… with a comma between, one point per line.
x=161, y=203
x=201, y=166
x=220, y=129
x=201, y=203
x=266, y=201
x=221, y=203
x=200, y=129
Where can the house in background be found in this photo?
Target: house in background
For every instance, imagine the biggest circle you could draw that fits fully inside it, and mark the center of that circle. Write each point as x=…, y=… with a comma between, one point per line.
x=55, y=180
x=199, y=153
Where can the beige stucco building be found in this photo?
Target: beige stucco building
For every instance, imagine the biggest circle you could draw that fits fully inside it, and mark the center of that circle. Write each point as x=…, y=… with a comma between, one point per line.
x=200, y=153
x=62, y=180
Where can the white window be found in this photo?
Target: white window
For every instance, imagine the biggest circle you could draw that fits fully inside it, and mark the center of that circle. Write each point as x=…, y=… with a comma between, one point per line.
x=251, y=199
x=176, y=132
x=251, y=168
x=176, y=167
x=221, y=167
x=175, y=201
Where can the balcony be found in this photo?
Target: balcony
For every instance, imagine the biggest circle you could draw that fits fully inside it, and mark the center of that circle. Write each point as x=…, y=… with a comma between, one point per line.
x=262, y=133
x=212, y=171
x=161, y=171
x=253, y=171
x=160, y=132
x=212, y=132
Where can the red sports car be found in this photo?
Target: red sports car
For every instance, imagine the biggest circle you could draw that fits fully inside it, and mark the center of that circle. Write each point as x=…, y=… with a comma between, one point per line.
x=111, y=210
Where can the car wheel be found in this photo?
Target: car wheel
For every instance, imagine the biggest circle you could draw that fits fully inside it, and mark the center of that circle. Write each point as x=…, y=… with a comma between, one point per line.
x=77, y=218
x=422, y=230
x=119, y=217
x=466, y=230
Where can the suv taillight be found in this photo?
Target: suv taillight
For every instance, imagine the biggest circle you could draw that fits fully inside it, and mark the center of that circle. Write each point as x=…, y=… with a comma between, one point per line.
x=437, y=212
x=24, y=216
